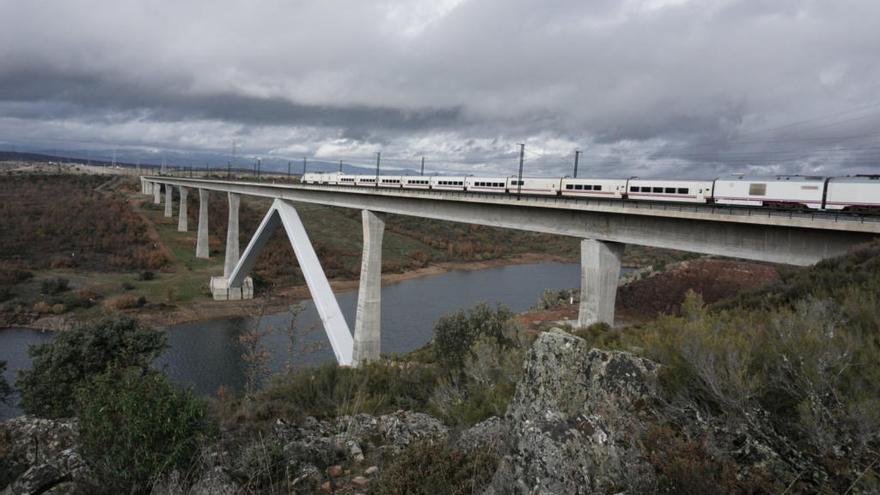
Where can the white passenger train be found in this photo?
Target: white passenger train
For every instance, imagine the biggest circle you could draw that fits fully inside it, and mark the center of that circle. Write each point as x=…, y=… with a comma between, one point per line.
x=860, y=192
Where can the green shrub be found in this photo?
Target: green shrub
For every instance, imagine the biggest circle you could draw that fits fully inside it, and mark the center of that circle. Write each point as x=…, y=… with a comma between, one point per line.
x=135, y=426
x=455, y=333
x=52, y=286
x=487, y=382
x=62, y=364
x=5, y=389
x=686, y=466
x=329, y=390
x=555, y=297
x=435, y=469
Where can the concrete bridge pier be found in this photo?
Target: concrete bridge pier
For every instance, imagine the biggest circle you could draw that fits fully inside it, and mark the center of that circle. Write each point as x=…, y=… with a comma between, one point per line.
x=202, y=248
x=182, y=220
x=169, y=198
x=232, y=246
x=221, y=287
x=367, y=323
x=157, y=191
x=600, y=273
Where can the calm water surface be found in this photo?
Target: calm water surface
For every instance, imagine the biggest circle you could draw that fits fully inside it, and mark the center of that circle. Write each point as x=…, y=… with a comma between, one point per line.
x=207, y=354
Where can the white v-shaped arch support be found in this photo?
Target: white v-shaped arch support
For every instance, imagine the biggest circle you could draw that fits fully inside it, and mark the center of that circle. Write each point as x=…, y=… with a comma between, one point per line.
x=285, y=214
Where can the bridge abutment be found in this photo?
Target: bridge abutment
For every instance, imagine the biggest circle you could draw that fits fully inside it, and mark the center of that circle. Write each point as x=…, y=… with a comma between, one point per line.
x=367, y=328
x=169, y=198
x=182, y=220
x=202, y=248
x=600, y=273
x=157, y=193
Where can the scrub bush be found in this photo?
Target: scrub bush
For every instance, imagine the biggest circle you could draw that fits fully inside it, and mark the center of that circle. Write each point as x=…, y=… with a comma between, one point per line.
x=5, y=389
x=329, y=390
x=62, y=364
x=135, y=426
x=487, y=382
x=455, y=333
x=437, y=469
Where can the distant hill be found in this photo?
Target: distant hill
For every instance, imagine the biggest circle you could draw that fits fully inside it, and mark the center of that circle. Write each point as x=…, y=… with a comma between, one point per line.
x=268, y=166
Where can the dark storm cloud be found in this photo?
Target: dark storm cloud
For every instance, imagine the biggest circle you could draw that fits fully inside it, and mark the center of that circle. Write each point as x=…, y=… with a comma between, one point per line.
x=86, y=94
x=642, y=86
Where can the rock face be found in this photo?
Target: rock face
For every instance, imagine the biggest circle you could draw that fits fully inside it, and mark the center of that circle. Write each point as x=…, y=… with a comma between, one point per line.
x=40, y=456
x=302, y=453
x=574, y=423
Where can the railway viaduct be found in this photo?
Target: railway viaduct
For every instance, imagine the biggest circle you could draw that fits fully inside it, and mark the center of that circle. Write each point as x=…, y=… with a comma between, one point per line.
x=604, y=227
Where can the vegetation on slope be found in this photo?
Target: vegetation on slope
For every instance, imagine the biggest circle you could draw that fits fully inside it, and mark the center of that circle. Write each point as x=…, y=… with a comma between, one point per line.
x=65, y=221
x=798, y=362
x=63, y=365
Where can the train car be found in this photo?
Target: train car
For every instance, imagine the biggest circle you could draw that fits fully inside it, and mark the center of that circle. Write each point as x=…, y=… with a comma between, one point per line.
x=543, y=186
x=486, y=184
x=311, y=178
x=441, y=183
x=860, y=192
x=390, y=181
x=330, y=178
x=593, y=188
x=365, y=180
x=679, y=191
x=416, y=182
x=346, y=180
x=781, y=190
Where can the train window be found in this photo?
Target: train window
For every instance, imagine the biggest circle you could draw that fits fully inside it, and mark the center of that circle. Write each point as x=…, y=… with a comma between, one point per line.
x=757, y=189
x=633, y=189
x=569, y=187
x=657, y=190
x=597, y=188
x=670, y=190
x=682, y=190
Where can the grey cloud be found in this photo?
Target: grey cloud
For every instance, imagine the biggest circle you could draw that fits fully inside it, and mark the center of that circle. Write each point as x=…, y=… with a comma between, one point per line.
x=643, y=86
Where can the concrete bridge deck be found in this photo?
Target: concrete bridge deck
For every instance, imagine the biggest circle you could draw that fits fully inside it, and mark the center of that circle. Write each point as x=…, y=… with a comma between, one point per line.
x=603, y=225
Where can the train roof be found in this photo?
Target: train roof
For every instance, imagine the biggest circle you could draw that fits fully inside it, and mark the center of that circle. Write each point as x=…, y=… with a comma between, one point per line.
x=770, y=178
x=858, y=179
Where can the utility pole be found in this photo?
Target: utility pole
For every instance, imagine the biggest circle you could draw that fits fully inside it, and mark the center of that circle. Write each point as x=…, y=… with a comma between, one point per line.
x=228, y=169
x=288, y=169
x=577, y=154
x=304, y=166
x=259, y=165
x=340, y=166
x=423, y=166
x=378, y=157
x=522, y=154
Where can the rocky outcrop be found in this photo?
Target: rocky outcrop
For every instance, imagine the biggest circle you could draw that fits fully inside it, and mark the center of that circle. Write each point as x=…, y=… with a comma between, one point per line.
x=40, y=456
x=393, y=432
x=574, y=423
x=306, y=455
x=488, y=435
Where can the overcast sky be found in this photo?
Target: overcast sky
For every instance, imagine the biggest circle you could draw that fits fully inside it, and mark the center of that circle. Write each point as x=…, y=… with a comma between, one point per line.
x=644, y=87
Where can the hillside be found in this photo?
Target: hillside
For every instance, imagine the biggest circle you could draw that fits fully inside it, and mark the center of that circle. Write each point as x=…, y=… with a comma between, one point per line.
x=771, y=391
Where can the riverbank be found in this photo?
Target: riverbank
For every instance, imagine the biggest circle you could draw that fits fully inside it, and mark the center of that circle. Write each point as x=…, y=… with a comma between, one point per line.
x=281, y=299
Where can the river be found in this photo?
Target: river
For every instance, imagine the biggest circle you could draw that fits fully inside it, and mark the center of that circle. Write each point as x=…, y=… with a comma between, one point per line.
x=207, y=354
